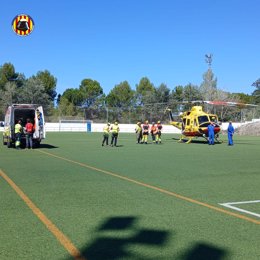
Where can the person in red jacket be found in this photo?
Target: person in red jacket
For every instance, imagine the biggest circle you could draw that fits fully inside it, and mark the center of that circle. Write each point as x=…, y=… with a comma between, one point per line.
x=153, y=132
x=29, y=129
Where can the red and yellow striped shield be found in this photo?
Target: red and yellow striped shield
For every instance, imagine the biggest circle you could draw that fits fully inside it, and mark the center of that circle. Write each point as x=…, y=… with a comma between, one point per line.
x=22, y=24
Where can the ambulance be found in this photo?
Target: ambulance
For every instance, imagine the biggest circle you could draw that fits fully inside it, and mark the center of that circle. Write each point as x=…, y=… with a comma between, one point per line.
x=23, y=112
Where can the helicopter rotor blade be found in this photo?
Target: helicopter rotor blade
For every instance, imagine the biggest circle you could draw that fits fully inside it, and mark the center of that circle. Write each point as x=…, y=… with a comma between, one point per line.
x=228, y=103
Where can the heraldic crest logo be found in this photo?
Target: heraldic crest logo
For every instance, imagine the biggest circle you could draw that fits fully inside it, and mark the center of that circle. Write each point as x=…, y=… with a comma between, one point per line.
x=23, y=24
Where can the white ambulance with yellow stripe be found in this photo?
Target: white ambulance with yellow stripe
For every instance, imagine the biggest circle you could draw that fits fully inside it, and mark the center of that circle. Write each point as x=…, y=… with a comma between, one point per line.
x=23, y=112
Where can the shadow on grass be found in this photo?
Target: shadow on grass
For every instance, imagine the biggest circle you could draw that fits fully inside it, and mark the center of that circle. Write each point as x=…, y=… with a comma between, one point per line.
x=116, y=234
x=203, y=251
x=47, y=146
x=114, y=247
x=194, y=141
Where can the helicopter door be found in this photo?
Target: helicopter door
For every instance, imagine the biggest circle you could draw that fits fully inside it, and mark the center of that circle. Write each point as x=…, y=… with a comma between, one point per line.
x=183, y=124
x=188, y=126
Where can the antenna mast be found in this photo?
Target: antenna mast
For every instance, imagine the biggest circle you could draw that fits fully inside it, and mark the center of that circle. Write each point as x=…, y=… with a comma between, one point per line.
x=208, y=59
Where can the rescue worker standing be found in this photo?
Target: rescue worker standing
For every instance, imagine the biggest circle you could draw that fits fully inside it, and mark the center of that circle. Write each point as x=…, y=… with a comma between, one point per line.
x=153, y=132
x=159, y=132
x=230, y=131
x=18, y=129
x=114, y=132
x=40, y=121
x=106, y=130
x=138, y=131
x=211, y=133
x=145, y=132
x=29, y=128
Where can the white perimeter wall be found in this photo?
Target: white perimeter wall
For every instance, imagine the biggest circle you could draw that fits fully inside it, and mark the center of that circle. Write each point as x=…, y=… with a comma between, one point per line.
x=124, y=128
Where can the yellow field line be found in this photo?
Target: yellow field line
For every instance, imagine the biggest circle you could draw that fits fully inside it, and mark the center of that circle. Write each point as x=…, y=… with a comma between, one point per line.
x=176, y=195
x=66, y=243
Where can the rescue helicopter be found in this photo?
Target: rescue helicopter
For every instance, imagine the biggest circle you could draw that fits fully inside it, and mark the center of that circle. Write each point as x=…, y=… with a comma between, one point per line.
x=194, y=123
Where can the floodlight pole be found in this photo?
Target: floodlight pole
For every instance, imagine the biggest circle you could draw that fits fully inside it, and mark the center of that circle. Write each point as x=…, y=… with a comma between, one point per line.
x=106, y=109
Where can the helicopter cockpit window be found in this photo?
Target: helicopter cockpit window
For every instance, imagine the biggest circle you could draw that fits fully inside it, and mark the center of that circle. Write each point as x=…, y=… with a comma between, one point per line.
x=213, y=119
x=202, y=119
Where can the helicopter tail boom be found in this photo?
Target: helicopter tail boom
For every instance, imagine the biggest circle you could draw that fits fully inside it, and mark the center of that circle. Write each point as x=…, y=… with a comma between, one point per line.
x=177, y=124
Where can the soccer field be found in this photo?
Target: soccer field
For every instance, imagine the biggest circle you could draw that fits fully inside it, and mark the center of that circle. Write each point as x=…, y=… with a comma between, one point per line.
x=74, y=199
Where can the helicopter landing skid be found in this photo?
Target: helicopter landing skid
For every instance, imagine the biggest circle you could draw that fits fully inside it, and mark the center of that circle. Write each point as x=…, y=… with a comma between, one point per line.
x=183, y=139
x=218, y=140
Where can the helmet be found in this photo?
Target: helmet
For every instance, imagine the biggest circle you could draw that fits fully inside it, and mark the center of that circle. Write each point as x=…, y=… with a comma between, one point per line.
x=158, y=122
x=116, y=123
x=146, y=121
x=108, y=123
x=153, y=123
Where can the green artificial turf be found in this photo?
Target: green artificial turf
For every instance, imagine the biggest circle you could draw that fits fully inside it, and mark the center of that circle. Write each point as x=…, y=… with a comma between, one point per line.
x=78, y=185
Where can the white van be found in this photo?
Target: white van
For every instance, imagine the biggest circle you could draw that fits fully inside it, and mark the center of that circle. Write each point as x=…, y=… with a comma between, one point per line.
x=23, y=112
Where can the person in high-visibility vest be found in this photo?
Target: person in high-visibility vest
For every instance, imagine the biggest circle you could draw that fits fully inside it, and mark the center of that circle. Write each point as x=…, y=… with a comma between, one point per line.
x=138, y=131
x=106, y=130
x=114, y=131
x=159, y=132
x=18, y=129
x=145, y=132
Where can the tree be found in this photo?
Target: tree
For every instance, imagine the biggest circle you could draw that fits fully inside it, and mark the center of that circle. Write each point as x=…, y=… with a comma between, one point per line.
x=33, y=92
x=9, y=94
x=74, y=96
x=177, y=94
x=7, y=74
x=145, y=91
x=191, y=93
x=162, y=93
x=48, y=81
x=256, y=93
x=90, y=90
x=66, y=108
x=208, y=87
x=145, y=97
x=181, y=96
x=121, y=100
x=121, y=96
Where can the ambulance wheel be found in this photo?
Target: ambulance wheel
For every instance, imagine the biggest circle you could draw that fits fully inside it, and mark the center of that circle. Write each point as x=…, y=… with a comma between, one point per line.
x=36, y=144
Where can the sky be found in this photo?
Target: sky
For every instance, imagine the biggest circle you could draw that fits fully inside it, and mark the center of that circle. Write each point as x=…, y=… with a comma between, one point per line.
x=112, y=41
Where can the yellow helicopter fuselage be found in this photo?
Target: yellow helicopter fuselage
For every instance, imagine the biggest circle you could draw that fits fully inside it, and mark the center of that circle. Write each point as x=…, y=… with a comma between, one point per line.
x=194, y=123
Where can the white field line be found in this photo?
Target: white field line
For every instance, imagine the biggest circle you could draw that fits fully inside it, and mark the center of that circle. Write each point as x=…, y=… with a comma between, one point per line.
x=229, y=205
